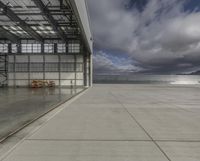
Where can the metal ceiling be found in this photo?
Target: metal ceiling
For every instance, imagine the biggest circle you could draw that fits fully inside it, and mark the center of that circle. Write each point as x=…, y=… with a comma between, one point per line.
x=37, y=19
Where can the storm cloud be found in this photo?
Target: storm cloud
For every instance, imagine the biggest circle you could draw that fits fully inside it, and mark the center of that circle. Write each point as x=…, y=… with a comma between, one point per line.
x=156, y=35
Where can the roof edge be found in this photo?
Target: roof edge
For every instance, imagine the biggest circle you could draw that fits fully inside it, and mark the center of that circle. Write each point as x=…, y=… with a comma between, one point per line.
x=86, y=31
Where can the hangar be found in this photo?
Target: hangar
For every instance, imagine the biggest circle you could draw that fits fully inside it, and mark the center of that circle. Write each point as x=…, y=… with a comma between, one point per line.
x=45, y=58
x=48, y=40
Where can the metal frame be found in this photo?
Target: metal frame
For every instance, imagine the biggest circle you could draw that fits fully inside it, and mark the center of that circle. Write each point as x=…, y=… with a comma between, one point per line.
x=65, y=25
x=13, y=38
x=3, y=69
x=50, y=19
x=45, y=62
x=8, y=12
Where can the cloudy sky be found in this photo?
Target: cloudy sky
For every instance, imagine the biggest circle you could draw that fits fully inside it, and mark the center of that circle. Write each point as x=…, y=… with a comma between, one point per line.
x=146, y=36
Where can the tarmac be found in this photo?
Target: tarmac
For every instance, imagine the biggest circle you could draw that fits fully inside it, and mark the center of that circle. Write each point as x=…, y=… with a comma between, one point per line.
x=119, y=123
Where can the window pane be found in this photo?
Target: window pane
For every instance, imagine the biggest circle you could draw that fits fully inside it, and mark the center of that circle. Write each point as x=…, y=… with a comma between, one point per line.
x=36, y=67
x=26, y=48
x=21, y=67
x=36, y=48
x=4, y=48
x=14, y=48
x=67, y=67
x=51, y=67
x=74, y=48
x=61, y=48
x=48, y=48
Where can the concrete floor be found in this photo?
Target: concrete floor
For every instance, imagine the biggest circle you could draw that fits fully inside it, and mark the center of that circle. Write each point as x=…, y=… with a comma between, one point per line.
x=21, y=105
x=120, y=123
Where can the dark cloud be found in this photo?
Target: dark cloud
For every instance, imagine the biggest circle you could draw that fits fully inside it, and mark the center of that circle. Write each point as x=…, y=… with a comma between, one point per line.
x=159, y=36
x=192, y=6
x=136, y=4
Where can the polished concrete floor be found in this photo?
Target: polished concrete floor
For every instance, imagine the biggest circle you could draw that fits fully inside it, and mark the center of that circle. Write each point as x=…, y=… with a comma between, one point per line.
x=18, y=106
x=120, y=123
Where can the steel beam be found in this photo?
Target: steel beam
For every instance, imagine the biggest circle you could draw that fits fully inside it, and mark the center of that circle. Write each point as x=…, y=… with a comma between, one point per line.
x=9, y=13
x=39, y=14
x=50, y=19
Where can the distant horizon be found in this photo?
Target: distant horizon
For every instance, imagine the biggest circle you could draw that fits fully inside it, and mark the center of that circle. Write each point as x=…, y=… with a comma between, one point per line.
x=147, y=79
x=152, y=74
x=139, y=73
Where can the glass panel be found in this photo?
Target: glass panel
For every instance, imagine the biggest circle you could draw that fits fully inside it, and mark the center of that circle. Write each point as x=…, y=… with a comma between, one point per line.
x=21, y=67
x=67, y=67
x=36, y=67
x=48, y=48
x=4, y=48
x=36, y=48
x=14, y=48
x=61, y=48
x=74, y=48
x=51, y=67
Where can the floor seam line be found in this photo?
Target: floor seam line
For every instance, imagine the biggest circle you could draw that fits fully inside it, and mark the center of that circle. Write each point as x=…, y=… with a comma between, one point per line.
x=184, y=141
x=57, y=110
x=86, y=140
x=133, y=117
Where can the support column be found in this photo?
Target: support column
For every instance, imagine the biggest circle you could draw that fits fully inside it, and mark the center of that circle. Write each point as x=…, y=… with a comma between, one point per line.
x=59, y=62
x=44, y=60
x=85, y=77
x=29, y=68
x=90, y=70
x=75, y=70
x=14, y=61
x=7, y=64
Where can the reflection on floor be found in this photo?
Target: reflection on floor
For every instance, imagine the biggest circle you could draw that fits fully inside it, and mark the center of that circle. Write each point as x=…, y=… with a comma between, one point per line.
x=18, y=106
x=119, y=122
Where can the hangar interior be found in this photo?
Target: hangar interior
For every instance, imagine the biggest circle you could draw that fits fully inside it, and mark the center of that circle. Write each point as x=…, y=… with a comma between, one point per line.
x=44, y=40
x=41, y=41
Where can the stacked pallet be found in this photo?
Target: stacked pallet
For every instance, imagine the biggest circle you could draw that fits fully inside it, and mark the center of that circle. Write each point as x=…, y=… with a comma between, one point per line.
x=42, y=83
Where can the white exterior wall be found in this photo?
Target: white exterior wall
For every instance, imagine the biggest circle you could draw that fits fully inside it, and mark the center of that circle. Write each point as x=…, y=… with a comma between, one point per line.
x=81, y=11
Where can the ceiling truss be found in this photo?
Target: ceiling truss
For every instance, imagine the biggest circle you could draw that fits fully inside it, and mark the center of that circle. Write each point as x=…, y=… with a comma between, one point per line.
x=39, y=21
x=8, y=12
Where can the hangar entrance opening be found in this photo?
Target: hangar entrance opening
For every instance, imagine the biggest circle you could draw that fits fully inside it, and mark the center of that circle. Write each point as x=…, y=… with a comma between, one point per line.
x=42, y=40
x=45, y=51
